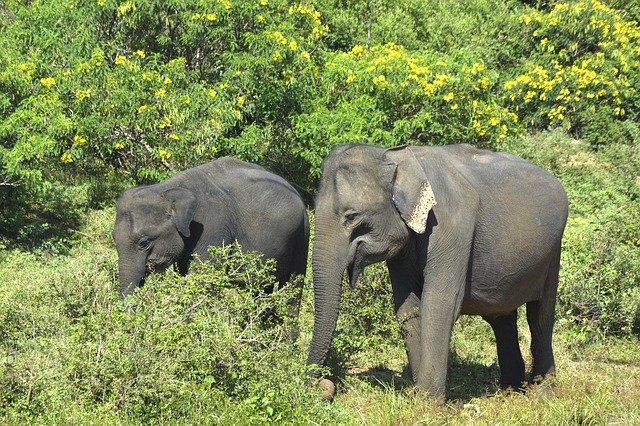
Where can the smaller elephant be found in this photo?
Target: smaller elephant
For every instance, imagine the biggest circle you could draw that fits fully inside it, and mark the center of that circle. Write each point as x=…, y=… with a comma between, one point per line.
x=462, y=230
x=217, y=203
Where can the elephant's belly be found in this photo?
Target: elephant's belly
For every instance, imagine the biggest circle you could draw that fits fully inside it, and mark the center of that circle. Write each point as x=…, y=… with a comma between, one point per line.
x=496, y=292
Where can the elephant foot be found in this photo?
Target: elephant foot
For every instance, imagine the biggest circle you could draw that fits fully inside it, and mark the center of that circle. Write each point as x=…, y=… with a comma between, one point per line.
x=329, y=389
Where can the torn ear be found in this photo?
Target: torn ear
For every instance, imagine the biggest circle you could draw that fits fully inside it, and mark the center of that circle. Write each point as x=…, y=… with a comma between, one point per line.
x=183, y=207
x=412, y=192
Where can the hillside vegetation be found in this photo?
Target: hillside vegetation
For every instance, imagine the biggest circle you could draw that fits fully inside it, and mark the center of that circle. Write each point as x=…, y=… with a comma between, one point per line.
x=99, y=95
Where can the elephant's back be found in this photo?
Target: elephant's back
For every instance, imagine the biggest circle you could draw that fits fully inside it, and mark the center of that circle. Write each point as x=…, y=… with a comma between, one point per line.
x=268, y=214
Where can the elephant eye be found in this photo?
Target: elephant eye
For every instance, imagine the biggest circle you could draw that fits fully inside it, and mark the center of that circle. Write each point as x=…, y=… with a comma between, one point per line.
x=350, y=217
x=144, y=243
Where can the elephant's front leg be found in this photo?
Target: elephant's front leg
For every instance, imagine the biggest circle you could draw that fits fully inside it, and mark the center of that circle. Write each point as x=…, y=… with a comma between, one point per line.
x=406, y=288
x=441, y=300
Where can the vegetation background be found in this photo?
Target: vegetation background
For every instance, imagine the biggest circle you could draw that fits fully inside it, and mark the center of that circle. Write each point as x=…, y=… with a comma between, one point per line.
x=99, y=95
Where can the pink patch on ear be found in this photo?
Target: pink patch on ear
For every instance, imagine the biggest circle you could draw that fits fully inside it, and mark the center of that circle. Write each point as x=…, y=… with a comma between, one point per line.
x=418, y=219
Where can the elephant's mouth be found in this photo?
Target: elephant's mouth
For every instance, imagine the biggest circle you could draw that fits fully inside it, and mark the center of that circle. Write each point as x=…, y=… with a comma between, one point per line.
x=363, y=252
x=356, y=262
x=152, y=267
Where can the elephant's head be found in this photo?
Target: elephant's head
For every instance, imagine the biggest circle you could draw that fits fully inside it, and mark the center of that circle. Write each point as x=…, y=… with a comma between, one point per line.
x=369, y=202
x=149, y=232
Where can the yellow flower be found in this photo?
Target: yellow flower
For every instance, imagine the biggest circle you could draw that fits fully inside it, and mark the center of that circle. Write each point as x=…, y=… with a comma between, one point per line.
x=260, y=19
x=449, y=96
x=142, y=109
x=167, y=80
x=174, y=137
x=241, y=100
x=196, y=16
x=165, y=155
x=212, y=92
x=381, y=79
x=279, y=37
x=48, y=82
x=277, y=56
x=211, y=16
x=493, y=121
x=119, y=146
x=264, y=2
x=525, y=19
x=306, y=55
x=165, y=122
x=350, y=78
x=81, y=95
x=79, y=140
x=186, y=100
x=66, y=158
x=226, y=4
x=101, y=3
x=477, y=68
x=161, y=93
x=121, y=60
x=140, y=54
x=544, y=42
x=146, y=76
x=293, y=46
x=357, y=49
x=454, y=106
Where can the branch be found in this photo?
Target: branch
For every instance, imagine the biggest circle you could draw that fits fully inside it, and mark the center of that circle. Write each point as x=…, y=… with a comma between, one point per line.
x=164, y=162
x=8, y=183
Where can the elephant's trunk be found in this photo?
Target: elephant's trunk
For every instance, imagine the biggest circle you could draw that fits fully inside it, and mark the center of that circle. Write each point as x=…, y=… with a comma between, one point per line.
x=329, y=263
x=131, y=275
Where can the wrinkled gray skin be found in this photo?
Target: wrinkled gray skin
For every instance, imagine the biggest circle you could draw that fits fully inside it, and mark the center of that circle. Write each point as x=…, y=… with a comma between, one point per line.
x=216, y=203
x=490, y=243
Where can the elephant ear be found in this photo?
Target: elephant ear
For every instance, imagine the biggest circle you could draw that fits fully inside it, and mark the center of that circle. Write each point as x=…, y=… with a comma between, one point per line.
x=183, y=206
x=412, y=193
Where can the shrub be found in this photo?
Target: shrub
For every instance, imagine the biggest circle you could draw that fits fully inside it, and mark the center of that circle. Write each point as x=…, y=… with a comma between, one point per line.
x=388, y=96
x=583, y=70
x=208, y=344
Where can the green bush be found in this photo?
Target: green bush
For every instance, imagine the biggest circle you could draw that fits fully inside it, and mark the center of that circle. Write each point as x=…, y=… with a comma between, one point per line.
x=387, y=96
x=583, y=72
x=208, y=344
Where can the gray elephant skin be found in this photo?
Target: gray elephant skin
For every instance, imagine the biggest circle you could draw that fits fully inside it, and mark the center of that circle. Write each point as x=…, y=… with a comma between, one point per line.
x=221, y=202
x=462, y=230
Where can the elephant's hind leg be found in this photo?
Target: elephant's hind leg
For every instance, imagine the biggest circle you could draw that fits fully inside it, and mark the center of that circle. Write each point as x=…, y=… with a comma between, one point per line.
x=509, y=355
x=541, y=317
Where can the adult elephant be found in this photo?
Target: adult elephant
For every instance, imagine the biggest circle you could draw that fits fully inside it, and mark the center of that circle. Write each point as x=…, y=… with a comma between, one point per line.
x=221, y=202
x=463, y=231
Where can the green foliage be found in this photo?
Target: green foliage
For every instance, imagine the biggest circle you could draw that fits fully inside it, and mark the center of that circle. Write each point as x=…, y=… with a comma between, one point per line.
x=583, y=74
x=388, y=96
x=147, y=88
x=210, y=343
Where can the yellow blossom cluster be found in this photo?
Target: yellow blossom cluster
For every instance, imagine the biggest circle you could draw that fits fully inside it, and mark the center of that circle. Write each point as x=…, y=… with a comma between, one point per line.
x=594, y=56
x=165, y=155
x=48, y=82
x=211, y=17
x=437, y=86
x=79, y=140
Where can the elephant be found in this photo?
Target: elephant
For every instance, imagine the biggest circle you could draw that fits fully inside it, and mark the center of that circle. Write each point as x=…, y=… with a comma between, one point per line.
x=462, y=231
x=221, y=202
